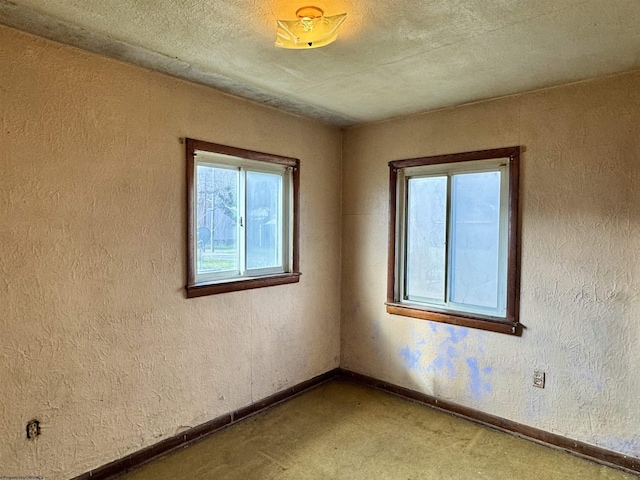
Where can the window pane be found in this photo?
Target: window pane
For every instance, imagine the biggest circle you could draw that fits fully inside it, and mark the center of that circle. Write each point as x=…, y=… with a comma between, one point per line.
x=475, y=229
x=264, y=220
x=217, y=213
x=426, y=235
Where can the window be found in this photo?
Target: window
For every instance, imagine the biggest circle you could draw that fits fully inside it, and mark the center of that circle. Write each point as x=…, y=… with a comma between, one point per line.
x=243, y=219
x=453, y=249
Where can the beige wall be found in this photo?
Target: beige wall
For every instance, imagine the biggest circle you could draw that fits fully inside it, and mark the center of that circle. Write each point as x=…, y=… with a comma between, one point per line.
x=580, y=301
x=97, y=339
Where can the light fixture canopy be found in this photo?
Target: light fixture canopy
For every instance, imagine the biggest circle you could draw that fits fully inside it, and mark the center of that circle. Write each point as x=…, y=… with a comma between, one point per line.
x=311, y=30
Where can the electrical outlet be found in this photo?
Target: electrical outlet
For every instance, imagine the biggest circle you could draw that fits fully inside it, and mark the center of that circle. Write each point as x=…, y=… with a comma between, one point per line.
x=33, y=429
x=538, y=379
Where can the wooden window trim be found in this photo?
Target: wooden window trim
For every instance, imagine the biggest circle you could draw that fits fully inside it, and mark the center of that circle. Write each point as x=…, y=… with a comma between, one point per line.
x=194, y=289
x=509, y=324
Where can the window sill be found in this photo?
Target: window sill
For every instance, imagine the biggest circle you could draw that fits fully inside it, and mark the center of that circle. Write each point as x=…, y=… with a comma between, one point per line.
x=455, y=318
x=204, y=289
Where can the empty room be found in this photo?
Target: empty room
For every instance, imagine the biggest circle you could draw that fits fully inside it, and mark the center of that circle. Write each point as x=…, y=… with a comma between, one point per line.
x=267, y=239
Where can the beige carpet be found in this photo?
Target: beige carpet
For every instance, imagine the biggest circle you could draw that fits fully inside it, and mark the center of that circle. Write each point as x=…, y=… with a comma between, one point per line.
x=345, y=431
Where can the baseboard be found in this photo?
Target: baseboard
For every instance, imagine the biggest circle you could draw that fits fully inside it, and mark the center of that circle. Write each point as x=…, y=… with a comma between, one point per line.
x=581, y=449
x=187, y=437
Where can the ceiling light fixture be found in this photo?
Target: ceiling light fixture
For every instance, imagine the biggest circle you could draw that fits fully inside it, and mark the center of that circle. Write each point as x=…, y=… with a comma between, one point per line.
x=311, y=30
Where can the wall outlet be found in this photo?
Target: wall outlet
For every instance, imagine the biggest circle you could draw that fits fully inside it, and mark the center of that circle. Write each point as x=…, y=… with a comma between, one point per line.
x=33, y=429
x=538, y=378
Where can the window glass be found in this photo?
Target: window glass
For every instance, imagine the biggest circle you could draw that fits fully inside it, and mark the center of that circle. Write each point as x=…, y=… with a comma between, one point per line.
x=264, y=220
x=426, y=239
x=475, y=239
x=217, y=220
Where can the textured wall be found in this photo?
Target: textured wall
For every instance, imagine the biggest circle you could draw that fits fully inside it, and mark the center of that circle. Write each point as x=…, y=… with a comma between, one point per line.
x=97, y=340
x=580, y=301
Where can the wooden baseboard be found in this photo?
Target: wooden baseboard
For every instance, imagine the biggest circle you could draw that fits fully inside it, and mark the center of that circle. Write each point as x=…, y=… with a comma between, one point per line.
x=187, y=437
x=581, y=449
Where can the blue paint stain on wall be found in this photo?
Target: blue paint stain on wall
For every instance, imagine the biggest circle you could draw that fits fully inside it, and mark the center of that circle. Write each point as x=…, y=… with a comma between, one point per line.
x=480, y=341
x=627, y=446
x=411, y=358
x=479, y=387
x=444, y=361
x=447, y=361
x=447, y=352
x=590, y=376
x=457, y=333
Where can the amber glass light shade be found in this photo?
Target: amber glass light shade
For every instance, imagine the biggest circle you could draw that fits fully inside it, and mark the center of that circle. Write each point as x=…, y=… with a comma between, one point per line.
x=311, y=29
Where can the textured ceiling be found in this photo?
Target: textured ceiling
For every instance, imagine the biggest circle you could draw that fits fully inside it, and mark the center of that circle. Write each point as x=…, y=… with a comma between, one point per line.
x=392, y=57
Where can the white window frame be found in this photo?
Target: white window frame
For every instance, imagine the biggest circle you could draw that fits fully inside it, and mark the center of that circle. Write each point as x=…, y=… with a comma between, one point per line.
x=243, y=166
x=243, y=161
x=448, y=170
x=504, y=318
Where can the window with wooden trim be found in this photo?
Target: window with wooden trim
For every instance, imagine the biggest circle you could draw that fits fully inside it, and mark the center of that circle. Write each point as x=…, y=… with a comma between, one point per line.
x=453, y=250
x=242, y=209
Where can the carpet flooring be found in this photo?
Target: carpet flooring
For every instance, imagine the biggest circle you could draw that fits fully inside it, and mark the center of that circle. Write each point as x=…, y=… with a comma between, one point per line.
x=341, y=430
